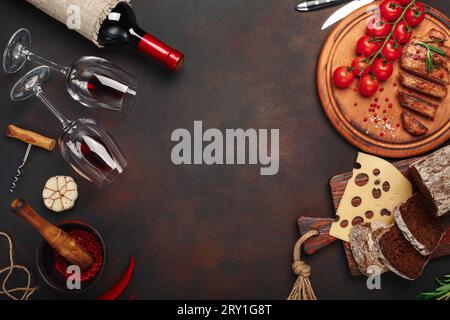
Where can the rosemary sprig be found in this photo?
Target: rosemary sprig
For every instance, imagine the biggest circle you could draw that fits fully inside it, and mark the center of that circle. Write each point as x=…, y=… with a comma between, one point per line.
x=430, y=63
x=440, y=293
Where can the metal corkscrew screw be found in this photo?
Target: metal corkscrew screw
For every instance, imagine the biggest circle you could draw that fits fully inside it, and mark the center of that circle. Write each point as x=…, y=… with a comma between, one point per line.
x=18, y=172
x=32, y=139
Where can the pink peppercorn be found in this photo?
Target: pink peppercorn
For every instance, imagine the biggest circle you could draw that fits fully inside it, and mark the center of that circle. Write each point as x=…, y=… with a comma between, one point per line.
x=89, y=243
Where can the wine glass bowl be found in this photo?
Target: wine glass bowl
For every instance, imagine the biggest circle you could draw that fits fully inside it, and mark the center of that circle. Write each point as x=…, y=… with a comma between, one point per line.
x=84, y=145
x=13, y=56
x=95, y=82
x=91, y=152
x=92, y=81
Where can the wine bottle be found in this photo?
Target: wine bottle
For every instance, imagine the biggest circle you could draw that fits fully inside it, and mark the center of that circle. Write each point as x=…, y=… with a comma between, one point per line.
x=120, y=27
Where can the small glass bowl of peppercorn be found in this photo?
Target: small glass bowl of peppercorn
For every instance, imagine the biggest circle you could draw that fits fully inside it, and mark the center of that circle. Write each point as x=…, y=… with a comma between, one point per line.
x=54, y=268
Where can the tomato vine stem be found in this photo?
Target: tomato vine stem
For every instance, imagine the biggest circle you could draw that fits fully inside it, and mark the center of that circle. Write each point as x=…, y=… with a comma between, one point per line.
x=376, y=54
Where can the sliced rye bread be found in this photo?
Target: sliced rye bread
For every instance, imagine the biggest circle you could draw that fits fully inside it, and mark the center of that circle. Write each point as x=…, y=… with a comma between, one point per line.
x=432, y=176
x=419, y=224
x=400, y=256
x=365, y=250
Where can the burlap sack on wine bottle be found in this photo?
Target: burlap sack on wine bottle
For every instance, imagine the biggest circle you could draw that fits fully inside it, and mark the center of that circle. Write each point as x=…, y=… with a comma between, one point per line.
x=83, y=16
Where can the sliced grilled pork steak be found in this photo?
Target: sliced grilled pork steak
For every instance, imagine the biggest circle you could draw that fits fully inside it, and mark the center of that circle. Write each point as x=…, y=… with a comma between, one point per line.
x=414, y=57
x=421, y=85
x=446, y=50
x=417, y=104
x=412, y=125
x=419, y=224
x=414, y=60
x=399, y=255
x=435, y=35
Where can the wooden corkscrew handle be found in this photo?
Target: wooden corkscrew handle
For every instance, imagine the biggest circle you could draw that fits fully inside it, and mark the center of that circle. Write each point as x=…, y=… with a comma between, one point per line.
x=30, y=137
x=59, y=240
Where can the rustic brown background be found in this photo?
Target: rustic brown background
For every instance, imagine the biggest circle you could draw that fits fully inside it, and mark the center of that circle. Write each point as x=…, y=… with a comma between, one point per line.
x=199, y=231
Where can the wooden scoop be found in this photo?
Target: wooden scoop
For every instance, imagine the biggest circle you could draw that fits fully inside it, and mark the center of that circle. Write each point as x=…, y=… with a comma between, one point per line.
x=59, y=240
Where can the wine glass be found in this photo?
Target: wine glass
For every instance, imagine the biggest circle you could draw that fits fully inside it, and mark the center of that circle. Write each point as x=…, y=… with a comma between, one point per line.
x=92, y=81
x=84, y=145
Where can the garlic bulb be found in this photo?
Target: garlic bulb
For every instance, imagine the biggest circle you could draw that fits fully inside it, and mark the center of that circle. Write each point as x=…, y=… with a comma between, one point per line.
x=60, y=193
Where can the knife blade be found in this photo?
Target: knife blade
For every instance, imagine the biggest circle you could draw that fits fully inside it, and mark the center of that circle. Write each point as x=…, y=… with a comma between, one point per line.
x=310, y=5
x=345, y=11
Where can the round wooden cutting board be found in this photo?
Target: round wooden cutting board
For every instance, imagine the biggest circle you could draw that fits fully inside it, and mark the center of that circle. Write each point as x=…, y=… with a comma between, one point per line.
x=381, y=134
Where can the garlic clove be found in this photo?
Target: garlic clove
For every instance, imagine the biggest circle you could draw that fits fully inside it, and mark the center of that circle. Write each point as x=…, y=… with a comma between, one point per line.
x=60, y=193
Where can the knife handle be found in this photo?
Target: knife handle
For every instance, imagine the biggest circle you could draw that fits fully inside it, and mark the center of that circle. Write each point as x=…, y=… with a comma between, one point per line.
x=317, y=4
x=321, y=241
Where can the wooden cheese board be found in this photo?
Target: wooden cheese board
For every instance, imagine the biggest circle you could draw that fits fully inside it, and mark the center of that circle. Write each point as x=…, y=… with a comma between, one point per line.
x=348, y=111
x=337, y=186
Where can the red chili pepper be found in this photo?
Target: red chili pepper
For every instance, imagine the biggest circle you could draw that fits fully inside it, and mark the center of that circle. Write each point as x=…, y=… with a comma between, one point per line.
x=121, y=285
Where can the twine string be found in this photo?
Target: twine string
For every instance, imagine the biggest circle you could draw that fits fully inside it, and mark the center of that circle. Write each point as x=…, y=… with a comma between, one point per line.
x=27, y=291
x=302, y=289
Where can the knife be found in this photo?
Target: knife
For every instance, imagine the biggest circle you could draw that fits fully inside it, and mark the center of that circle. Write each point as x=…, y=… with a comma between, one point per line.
x=345, y=11
x=317, y=4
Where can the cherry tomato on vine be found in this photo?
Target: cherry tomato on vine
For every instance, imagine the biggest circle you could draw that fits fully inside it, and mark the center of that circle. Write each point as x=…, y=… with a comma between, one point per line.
x=415, y=14
x=368, y=85
x=404, y=2
x=391, y=10
x=366, y=46
x=402, y=32
x=378, y=27
x=392, y=50
x=358, y=65
x=382, y=70
x=343, y=77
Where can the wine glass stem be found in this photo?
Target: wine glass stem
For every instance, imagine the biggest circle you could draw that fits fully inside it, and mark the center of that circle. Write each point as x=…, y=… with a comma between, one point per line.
x=38, y=59
x=40, y=94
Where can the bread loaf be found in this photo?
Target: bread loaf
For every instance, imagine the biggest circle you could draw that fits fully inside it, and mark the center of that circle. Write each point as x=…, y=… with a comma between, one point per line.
x=365, y=249
x=432, y=176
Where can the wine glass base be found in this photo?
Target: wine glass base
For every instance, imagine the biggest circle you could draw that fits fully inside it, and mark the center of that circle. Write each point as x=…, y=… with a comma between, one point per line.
x=13, y=56
x=24, y=88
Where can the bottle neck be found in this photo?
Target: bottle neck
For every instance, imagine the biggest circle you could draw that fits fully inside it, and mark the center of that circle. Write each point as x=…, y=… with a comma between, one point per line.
x=120, y=27
x=155, y=48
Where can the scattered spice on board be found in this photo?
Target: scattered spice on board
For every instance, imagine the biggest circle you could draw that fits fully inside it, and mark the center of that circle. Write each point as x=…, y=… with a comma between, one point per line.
x=382, y=123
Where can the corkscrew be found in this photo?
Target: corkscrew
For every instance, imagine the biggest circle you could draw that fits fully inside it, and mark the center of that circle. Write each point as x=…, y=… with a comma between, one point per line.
x=32, y=139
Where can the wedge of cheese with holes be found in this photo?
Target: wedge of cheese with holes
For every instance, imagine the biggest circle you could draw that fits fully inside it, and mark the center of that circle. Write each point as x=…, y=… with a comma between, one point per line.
x=371, y=194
